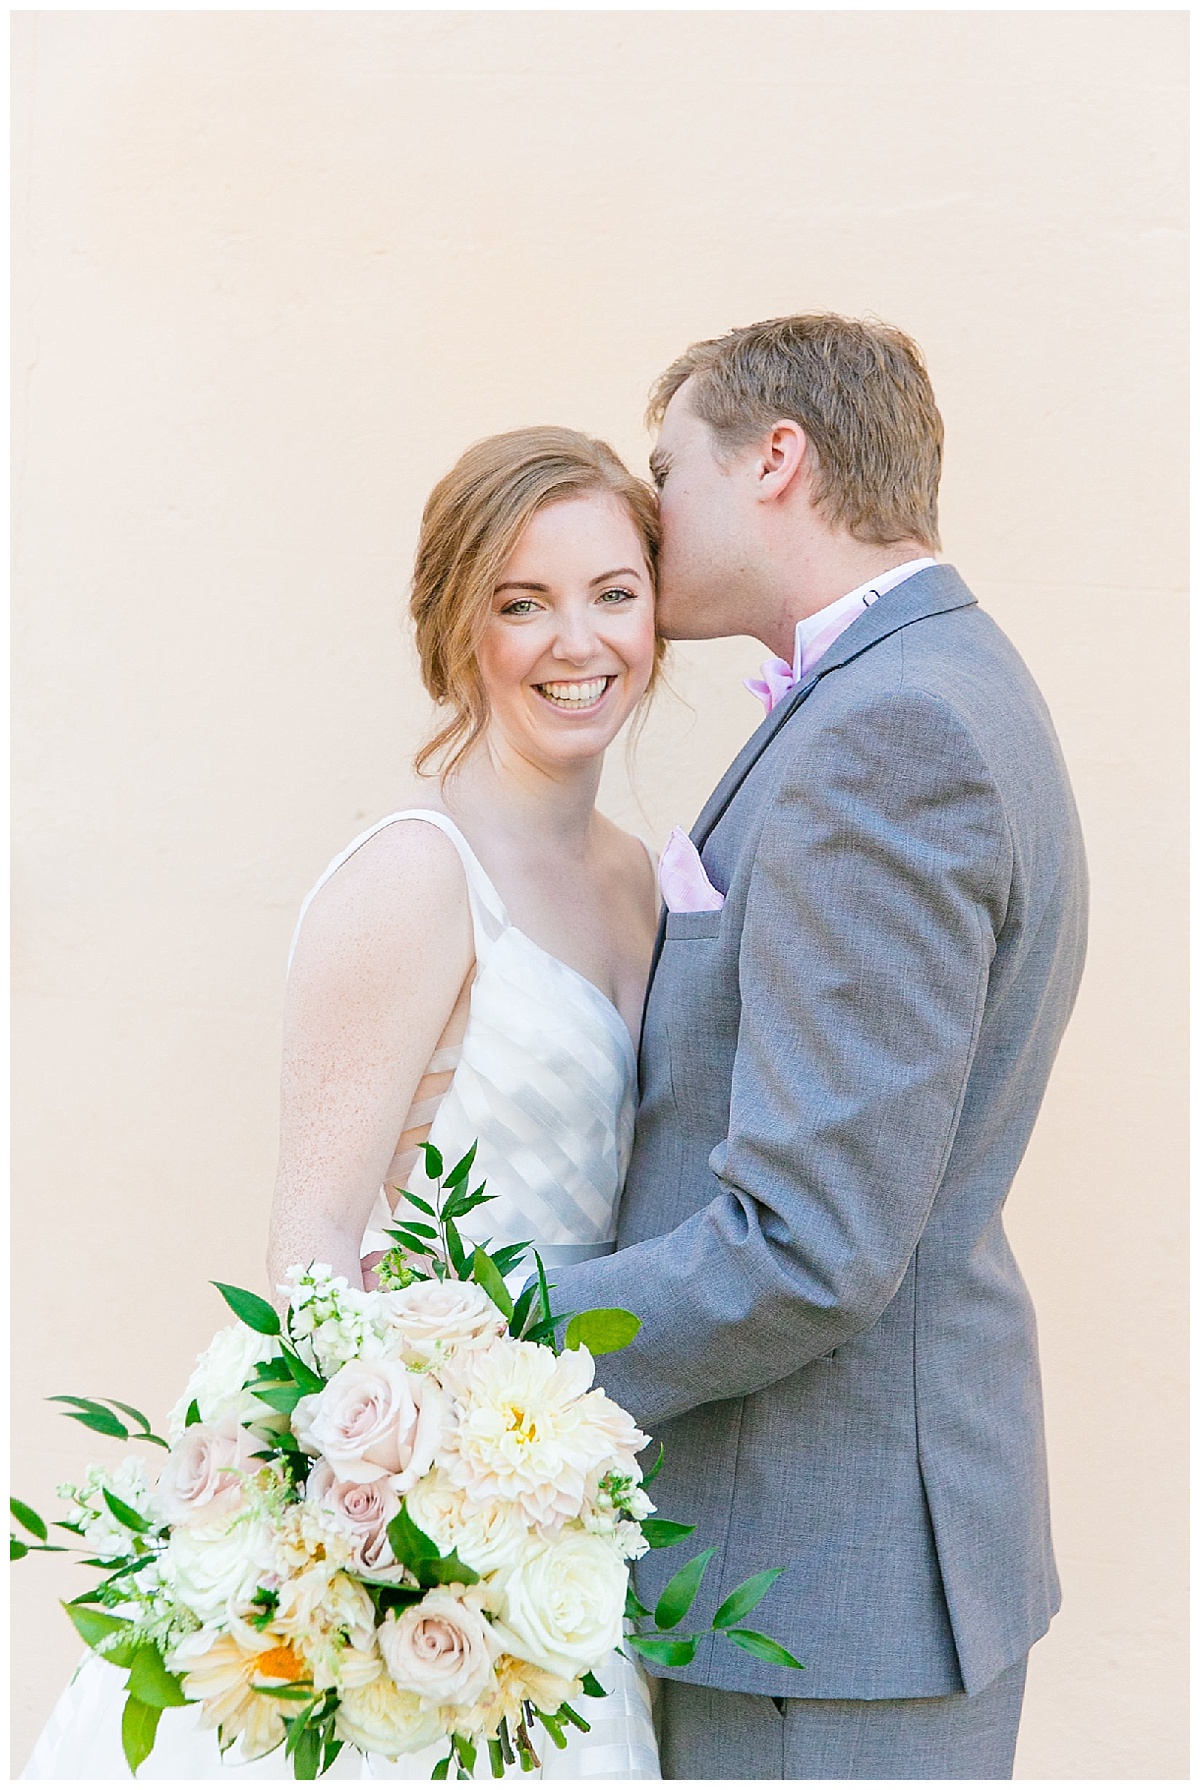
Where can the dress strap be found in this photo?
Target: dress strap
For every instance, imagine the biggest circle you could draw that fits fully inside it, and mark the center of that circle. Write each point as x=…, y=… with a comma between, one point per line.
x=489, y=917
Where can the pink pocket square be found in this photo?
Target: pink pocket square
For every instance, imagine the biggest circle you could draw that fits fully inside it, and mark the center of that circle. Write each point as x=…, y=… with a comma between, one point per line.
x=685, y=887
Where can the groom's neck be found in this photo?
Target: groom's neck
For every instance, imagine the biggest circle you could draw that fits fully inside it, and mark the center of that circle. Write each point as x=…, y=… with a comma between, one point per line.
x=813, y=571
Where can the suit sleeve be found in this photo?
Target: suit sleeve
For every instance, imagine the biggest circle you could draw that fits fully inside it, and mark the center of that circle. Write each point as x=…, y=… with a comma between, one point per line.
x=877, y=891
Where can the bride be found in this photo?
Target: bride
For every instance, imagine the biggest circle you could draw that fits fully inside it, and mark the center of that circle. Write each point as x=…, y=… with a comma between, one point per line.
x=473, y=967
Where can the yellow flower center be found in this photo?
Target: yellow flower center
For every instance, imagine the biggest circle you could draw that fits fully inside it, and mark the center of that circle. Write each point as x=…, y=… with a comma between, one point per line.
x=279, y=1662
x=521, y=1425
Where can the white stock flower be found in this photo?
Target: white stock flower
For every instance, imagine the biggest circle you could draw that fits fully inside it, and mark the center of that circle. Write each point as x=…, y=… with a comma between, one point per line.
x=374, y=1420
x=210, y=1570
x=216, y=1380
x=426, y=1321
x=378, y=1717
x=561, y=1605
x=334, y=1321
x=102, y=1532
x=203, y=1480
x=484, y=1536
x=530, y=1431
x=442, y=1649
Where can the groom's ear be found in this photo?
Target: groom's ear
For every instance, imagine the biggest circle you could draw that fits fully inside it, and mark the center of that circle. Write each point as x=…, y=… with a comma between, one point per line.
x=783, y=458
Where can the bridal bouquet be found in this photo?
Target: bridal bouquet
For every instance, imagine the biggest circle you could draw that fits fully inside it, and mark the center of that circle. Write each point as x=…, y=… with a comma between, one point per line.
x=386, y=1520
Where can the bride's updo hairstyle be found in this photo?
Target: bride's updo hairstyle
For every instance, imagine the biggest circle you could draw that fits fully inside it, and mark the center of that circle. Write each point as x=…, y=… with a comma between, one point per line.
x=471, y=523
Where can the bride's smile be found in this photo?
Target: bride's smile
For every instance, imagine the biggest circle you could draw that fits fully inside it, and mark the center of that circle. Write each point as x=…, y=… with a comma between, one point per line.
x=568, y=649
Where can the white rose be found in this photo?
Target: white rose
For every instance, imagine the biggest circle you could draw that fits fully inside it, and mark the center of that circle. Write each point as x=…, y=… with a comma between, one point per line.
x=484, y=1536
x=442, y=1649
x=378, y=1717
x=562, y=1603
x=427, y=1320
x=529, y=1431
x=374, y=1420
x=210, y=1569
x=216, y=1380
x=202, y=1480
x=364, y=1510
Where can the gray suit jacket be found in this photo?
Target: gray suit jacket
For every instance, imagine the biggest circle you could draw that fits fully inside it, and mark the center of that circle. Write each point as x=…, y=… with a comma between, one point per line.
x=840, y=1073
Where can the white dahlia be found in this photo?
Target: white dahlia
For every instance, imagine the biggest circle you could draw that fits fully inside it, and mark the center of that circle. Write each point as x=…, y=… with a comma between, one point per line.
x=529, y=1430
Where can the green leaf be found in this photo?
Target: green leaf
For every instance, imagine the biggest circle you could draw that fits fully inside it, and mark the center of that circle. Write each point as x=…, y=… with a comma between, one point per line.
x=125, y=1513
x=410, y=1545
x=664, y=1653
x=150, y=1682
x=633, y=1604
x=280, y=1398
x=592, y=1686
x=130, y=1411
x=447, y=1570
x=139, y=1725
x=295, y=1726
x=306, y=1760
x=653, y=1472
x=193, y=1415
x=331, y=1746
x=29, y=1519
x=462, y=1167
x=434, y=1166
x=543, y=1287
x=544, y=1332
x=516, y=1323
x=661, y=1534
x=679, y=1592
x=762, y=1647
x=455, y=1250
x=428, y=1231
x=284, y=1693
x=483, y=1273
x=741, y=1601
x=407, y=1240
x=17, y=1549
x=102, y=1421
x=95, y=1626
x=306, y=1378
x=602, y=1331
x=254, y=1312
x=442, y=1768
x=466, y=1751
x=415, y=1199
x=507, y=1256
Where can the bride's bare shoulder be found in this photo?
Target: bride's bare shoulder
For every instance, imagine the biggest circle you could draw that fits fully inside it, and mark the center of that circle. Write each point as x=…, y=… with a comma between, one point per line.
x=404, y=888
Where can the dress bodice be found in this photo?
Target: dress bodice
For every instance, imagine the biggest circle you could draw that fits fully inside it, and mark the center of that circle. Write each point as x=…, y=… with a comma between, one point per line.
x=544, y=1077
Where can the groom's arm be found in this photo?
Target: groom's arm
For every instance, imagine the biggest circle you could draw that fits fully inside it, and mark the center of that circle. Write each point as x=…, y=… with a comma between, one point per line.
x=878, y=888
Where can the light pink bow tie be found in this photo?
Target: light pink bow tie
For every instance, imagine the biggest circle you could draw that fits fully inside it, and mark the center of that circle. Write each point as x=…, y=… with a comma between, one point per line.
x=776, y=676
x=681, y=877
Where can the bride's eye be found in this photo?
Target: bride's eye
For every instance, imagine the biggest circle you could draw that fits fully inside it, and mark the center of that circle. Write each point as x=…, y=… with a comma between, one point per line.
x=618, y=594
x=519, y=606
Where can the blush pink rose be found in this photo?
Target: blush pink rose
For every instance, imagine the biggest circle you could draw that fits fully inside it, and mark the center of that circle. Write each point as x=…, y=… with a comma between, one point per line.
x=202, y=1479
x=374, y=1420
x=365, y=1510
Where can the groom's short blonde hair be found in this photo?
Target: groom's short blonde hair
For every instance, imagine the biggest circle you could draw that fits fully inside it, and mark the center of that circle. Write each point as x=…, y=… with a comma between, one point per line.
x=860, y=391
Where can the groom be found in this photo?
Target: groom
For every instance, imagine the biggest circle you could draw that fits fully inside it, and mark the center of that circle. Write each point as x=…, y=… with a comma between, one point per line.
x=859, y=990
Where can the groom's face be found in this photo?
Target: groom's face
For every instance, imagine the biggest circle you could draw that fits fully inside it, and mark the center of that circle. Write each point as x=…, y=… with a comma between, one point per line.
x=706, y=559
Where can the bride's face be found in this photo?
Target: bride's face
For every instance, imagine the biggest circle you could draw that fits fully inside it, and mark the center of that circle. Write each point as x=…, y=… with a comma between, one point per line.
x=569, y=648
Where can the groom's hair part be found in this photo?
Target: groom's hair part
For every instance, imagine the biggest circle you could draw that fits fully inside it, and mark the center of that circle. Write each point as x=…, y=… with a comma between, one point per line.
x=860, y=391
x=472, y=522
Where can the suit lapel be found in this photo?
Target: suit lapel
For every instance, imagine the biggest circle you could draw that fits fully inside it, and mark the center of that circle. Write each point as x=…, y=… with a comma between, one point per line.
x=931, y=592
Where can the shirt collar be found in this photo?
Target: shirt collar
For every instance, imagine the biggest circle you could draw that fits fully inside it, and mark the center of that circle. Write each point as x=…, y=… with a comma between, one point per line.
x=817, y=632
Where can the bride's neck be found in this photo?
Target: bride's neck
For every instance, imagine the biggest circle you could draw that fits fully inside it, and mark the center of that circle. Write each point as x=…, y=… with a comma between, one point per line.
x=500, y=791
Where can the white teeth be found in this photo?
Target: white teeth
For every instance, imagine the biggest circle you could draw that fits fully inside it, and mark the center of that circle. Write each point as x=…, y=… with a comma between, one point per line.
x=579, y=696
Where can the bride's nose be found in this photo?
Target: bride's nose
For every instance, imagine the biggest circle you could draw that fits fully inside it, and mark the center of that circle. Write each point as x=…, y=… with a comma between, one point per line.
x=575, y=638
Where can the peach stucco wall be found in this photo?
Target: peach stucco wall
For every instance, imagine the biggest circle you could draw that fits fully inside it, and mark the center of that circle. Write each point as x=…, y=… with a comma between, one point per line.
x=273, y=271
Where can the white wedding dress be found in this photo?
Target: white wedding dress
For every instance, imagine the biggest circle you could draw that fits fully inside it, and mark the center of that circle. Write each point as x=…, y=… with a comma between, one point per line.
x=539, y=1066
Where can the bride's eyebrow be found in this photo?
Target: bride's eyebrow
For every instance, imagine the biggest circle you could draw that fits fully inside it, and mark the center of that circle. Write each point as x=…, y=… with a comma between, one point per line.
x=621, y=572
x=521, y=584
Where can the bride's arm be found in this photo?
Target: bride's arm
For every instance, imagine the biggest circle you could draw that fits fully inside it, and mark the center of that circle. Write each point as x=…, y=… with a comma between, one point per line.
x=382, y=956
